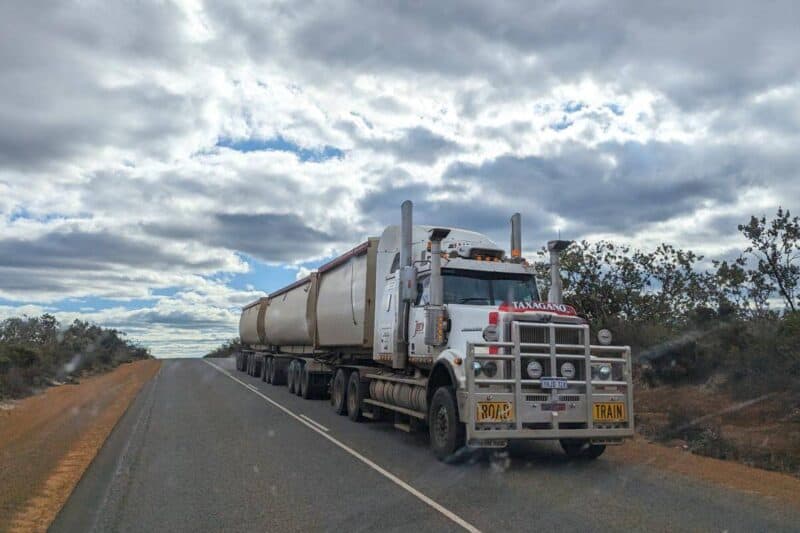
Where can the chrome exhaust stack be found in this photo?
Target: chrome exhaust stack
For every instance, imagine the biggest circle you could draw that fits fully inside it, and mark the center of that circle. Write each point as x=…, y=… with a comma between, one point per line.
x=435, y=316
x=516, y=238
x=408, y=285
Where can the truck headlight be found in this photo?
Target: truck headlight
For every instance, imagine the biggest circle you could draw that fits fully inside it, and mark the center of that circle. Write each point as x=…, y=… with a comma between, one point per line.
x=601, y=372
x=477, y=367
x=604, y=337
x=490, y=369
x=568, y=370
x=534, y=369
x=490, y=333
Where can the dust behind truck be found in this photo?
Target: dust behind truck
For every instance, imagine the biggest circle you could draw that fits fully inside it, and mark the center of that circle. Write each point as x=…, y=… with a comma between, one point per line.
x=439, y=328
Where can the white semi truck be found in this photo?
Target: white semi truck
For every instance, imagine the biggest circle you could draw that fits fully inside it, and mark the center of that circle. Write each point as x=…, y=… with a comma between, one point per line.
x=439, y=327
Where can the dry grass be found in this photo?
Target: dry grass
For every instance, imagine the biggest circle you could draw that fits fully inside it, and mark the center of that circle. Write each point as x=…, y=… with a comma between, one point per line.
x=763, y=433
x=47, y=441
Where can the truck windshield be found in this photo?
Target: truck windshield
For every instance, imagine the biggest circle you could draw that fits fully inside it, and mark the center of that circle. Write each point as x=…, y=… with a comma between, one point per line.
x=487, y=288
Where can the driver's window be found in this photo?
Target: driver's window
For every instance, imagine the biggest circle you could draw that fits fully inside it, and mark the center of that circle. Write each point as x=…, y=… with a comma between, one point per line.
x=423, y=291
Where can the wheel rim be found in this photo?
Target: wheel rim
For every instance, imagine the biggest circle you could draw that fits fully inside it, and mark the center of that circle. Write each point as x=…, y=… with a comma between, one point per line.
x=441, y=425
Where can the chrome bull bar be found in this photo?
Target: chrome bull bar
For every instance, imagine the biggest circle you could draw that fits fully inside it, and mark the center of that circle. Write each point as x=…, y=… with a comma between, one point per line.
x=530, y=420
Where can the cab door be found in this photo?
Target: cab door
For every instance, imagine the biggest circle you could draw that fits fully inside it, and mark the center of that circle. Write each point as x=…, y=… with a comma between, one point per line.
x=387, y=317
x=416, y=320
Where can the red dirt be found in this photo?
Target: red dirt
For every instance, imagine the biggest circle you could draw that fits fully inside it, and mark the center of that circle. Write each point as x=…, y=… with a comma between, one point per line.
x=774, y=486
x=764, y=434
x=47, y=442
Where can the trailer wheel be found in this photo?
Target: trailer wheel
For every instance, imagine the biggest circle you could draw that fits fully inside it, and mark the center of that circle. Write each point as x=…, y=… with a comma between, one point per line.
x=265, y=369
x=290, y=376
x=339, y=391
x=275, y=377
x=298, y=377
x=355, y=394
x=447, y=432
x=306, y=388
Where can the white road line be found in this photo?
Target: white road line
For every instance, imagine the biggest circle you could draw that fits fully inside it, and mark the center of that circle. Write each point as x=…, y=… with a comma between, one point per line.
x=320, y=426
x=385, y=473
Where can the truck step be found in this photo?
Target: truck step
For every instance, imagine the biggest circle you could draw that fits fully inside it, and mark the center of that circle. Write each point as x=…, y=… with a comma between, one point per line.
x=409, y=412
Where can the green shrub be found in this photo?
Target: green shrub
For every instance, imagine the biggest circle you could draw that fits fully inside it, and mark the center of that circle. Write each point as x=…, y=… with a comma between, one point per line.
x=35, y=350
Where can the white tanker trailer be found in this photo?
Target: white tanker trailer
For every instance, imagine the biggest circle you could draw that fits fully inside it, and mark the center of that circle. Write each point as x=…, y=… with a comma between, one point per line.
x=438, y=327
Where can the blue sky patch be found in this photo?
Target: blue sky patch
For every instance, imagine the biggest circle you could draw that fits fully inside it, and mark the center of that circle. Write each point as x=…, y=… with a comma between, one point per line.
x=562, y=124
x=279, y=144
x=573, y=107
x=615, y=108
x=267, y=278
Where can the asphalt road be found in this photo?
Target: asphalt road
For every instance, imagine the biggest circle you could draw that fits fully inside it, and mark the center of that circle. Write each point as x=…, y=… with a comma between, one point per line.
x=201, y=451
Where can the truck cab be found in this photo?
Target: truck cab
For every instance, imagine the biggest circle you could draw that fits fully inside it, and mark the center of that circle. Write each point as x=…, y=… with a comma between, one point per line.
x=516, y=367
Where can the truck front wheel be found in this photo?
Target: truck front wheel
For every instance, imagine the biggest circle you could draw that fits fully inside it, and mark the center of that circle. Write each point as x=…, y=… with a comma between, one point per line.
x=447, y=432
x=579, y=448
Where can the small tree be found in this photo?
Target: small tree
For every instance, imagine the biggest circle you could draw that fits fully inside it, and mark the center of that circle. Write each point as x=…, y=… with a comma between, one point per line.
x=776, y=245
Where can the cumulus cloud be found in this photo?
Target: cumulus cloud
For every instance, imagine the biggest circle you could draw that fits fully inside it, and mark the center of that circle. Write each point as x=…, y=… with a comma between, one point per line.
x=152, y=153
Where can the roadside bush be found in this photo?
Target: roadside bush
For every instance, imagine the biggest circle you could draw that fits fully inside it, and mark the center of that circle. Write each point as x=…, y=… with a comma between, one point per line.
x=35, y=351
x=688, y=319
x=227, y=349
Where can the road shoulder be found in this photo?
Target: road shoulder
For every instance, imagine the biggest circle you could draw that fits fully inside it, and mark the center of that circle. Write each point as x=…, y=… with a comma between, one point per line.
x=48, y=441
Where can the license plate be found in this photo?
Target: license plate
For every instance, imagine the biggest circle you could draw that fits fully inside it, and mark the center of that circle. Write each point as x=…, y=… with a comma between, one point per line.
x=554, y=383
x=609, y=412
x=495, y=412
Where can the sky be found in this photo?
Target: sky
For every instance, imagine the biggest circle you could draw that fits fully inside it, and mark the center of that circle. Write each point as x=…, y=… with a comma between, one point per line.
x=163, y=163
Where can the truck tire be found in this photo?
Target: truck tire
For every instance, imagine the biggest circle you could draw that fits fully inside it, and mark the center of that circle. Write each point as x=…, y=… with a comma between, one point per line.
x=306, y=388
x=447, y=432
x=580, y=448
x=290, y=376
x=274, y=375
x=298, y=373
x=268, y=370
x=355, y=394
x=257, y=363
x=339, y=391
x=264, y=369
x=595, y=450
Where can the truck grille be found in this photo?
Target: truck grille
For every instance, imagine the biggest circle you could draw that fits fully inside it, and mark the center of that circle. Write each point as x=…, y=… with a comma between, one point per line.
x=536, y=397
x=542, y=336
x=569, y=398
